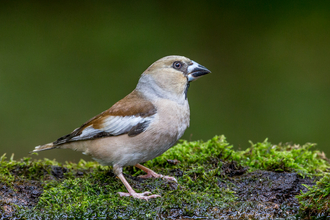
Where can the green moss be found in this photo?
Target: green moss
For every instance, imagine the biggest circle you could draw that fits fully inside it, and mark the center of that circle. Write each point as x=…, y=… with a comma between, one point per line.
x=195, y=152
x=34, y=170
x=266, y=156
x=316, y=201
x=90, y=190
x=84, y=197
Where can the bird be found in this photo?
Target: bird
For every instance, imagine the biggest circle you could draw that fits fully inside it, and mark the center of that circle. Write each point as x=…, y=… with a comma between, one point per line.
x=142, y=125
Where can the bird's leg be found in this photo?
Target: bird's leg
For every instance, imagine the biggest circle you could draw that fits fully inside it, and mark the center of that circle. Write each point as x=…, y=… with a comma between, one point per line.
x=131, y=192
x=151, y=173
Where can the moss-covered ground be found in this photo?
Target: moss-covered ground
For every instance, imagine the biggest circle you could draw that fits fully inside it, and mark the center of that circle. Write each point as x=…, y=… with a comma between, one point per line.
x=265, y=181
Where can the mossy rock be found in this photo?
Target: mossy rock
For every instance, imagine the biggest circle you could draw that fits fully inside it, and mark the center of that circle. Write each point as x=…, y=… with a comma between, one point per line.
x=214, y=181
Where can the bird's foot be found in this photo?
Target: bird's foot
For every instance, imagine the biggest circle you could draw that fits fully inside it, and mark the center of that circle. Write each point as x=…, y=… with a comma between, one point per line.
x=151, y=173
x=170, y=178
x=156, y=175
x=136, y=195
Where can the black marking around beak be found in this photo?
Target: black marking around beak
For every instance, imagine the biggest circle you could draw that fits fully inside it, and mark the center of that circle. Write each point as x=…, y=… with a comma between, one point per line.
x=199, y=71
x=195, y=71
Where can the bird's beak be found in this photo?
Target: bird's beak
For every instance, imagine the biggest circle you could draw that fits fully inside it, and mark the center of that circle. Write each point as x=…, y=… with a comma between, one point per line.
x=195, y=71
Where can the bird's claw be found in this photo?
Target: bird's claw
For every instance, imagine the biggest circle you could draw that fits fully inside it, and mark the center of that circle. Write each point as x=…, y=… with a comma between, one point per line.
x=170, y=178
x=149, y=175
x=136, y=195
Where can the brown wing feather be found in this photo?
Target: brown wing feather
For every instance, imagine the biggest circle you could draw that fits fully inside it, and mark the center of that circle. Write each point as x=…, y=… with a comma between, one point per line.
x=132, y=105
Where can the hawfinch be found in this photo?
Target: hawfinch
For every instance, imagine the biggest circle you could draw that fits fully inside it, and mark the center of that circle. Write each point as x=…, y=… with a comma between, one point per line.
x=141, y=126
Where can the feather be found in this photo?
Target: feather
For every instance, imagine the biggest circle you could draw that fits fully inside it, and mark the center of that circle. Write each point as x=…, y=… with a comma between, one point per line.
x=132, y=115
x=48, y=146
x=113, y=126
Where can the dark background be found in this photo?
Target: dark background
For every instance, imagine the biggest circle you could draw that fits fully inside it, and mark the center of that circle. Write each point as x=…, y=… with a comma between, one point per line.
x=63, y=62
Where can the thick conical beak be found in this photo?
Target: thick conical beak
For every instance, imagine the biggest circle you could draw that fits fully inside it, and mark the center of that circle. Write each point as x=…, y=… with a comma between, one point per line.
x=195, y=71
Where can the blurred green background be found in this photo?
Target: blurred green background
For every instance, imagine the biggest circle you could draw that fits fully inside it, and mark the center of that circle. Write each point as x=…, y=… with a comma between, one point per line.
x=63, y=62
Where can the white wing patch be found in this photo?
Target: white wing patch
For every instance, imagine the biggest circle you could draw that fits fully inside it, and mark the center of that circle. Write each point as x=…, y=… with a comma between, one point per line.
x=117, y=124
x=114, y=125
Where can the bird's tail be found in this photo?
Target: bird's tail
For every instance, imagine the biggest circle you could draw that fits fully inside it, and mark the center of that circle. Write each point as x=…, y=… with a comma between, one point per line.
x=48, y=146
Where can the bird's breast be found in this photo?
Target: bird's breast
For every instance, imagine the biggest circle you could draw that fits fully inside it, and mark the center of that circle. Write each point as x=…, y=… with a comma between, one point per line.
x=172, y=119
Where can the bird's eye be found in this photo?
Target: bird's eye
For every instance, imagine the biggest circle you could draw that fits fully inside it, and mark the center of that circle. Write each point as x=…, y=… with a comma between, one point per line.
x=177, y=65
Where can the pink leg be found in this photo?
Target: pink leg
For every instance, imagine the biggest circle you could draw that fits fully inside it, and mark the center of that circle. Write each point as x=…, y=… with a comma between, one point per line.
x=131, y=191
x=151, y=173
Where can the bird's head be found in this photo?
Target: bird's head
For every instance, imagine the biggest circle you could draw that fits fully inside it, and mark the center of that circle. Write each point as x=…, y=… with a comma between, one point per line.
x=171, y=75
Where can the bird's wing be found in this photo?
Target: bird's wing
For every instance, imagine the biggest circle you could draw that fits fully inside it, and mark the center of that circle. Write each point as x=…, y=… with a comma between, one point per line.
x=131, y=115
